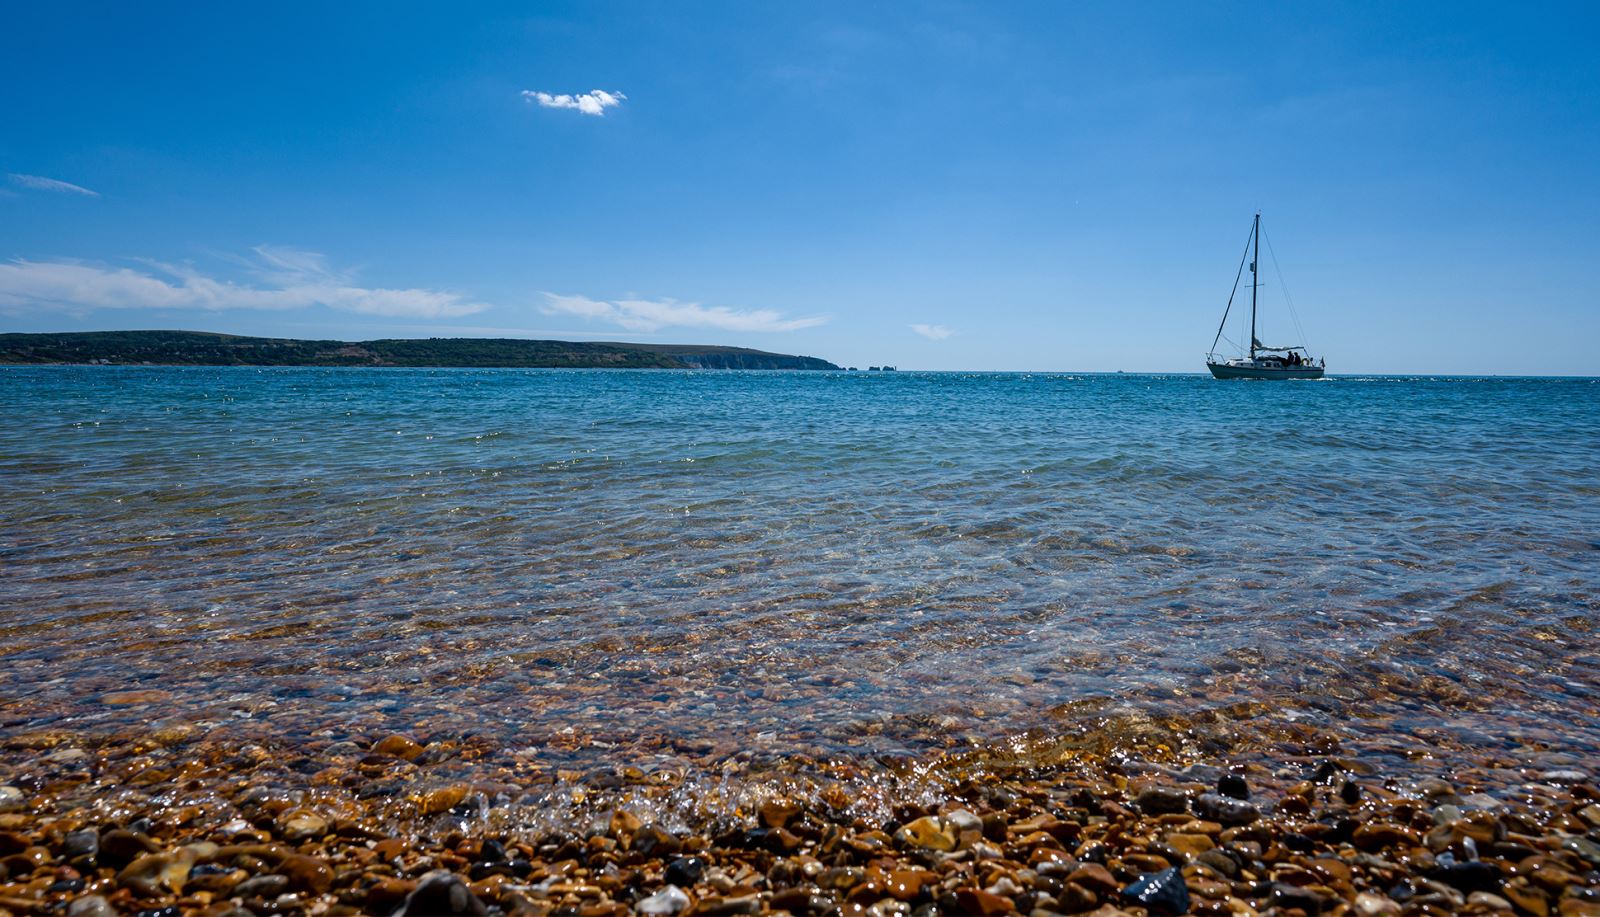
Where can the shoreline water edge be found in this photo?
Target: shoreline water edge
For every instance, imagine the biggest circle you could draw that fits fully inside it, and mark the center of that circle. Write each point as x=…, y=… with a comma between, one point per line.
x=581, y=644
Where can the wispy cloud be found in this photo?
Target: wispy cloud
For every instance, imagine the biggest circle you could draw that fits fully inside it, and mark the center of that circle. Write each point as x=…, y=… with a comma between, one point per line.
x=40, y=183
x=653, y=315
x=281, y=279
x=932, y=332
x=594, y=102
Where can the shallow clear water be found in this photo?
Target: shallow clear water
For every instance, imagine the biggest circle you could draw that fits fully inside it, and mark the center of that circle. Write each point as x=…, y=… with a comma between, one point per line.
x=815, y=562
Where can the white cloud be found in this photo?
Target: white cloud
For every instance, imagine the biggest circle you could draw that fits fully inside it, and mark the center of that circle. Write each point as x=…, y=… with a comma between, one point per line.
x=653, y=315
x=594, y=102
x=40, y=183
x=285, y=279
x=932, y=332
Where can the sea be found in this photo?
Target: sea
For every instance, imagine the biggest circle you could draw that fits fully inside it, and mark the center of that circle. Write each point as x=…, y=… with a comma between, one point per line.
x=597, y=564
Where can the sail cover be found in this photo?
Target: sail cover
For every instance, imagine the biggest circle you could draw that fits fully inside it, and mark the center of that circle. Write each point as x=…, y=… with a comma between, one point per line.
x=1260, y=346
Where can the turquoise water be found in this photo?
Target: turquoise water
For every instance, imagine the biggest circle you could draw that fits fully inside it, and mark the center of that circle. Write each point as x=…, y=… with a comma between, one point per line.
x=794, y=562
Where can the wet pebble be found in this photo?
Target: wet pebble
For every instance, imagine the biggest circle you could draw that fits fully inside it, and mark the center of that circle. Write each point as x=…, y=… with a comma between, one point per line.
x=300, y=826
x=928, y=833
x=978, y=902
x=685, y=871
x=91, y=906
x=1161, y=892
x=441, y=893
x=667, y=901
x=1233, y=786
x=1157, y=800
x=1226, y=811
x=84, y=843
x=269, y=886
x=1564, y=776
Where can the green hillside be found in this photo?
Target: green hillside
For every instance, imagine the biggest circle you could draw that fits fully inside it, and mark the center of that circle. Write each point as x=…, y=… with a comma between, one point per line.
x=196, y=348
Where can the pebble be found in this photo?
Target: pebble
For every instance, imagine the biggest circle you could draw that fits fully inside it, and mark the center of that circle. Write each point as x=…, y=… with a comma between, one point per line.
x=1230, y=812
x=993, y=840
x=654, y=840
x=91, y=906
x=1294, y=897
x=441, y=893
x=1161, y=892
x=1096, y=878
x=1468, y=877
x=398, y=746
x=1563, y=776
x=119, y=847
x=1583, y=847
x=152, y=874
x=442, y=799
x=928, y=833
x=775, y=813
x=983, y=903
x=685, y=871
x=667, y=901
x=1374, y=905
x=84, y=843
x=1158, y=800
x=1531, y=900
x=1378, y=836
x=1221, y=862
x=307, y=874
x=968, y=828
x=270, y=886
x=1233, y=786
x=1190, y=845
x=301, y=825
x=729, y=904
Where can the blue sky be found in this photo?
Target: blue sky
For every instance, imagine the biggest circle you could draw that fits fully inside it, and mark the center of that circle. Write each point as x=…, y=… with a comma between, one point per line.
x=1044, y=186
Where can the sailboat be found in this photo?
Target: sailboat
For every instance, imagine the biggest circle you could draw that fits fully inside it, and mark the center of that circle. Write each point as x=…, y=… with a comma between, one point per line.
x=1263, y=362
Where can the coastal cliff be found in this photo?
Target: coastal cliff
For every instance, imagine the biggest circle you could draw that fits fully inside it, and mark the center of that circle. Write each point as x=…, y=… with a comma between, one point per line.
x=196, y=348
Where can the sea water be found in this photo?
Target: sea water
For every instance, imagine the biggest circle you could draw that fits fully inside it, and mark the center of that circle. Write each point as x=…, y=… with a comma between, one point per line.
x=801, y=563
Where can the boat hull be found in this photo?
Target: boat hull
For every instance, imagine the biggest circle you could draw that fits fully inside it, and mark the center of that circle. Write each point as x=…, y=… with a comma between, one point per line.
x=1230, y=371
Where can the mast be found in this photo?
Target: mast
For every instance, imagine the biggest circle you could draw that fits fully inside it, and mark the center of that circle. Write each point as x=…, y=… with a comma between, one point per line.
x=1255, y=281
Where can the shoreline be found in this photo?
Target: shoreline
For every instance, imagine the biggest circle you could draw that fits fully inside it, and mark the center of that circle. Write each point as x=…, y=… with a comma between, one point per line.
x=145, y=821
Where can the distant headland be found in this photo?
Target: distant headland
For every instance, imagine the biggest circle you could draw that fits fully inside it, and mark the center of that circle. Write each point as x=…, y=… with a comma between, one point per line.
x=198, y=348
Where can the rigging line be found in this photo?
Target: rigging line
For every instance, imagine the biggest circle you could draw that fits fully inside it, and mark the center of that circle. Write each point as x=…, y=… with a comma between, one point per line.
x=1293, y=312
x=1240, y=273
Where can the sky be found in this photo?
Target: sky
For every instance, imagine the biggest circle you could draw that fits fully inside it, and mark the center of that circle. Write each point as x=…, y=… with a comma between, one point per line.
x=983, y=186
